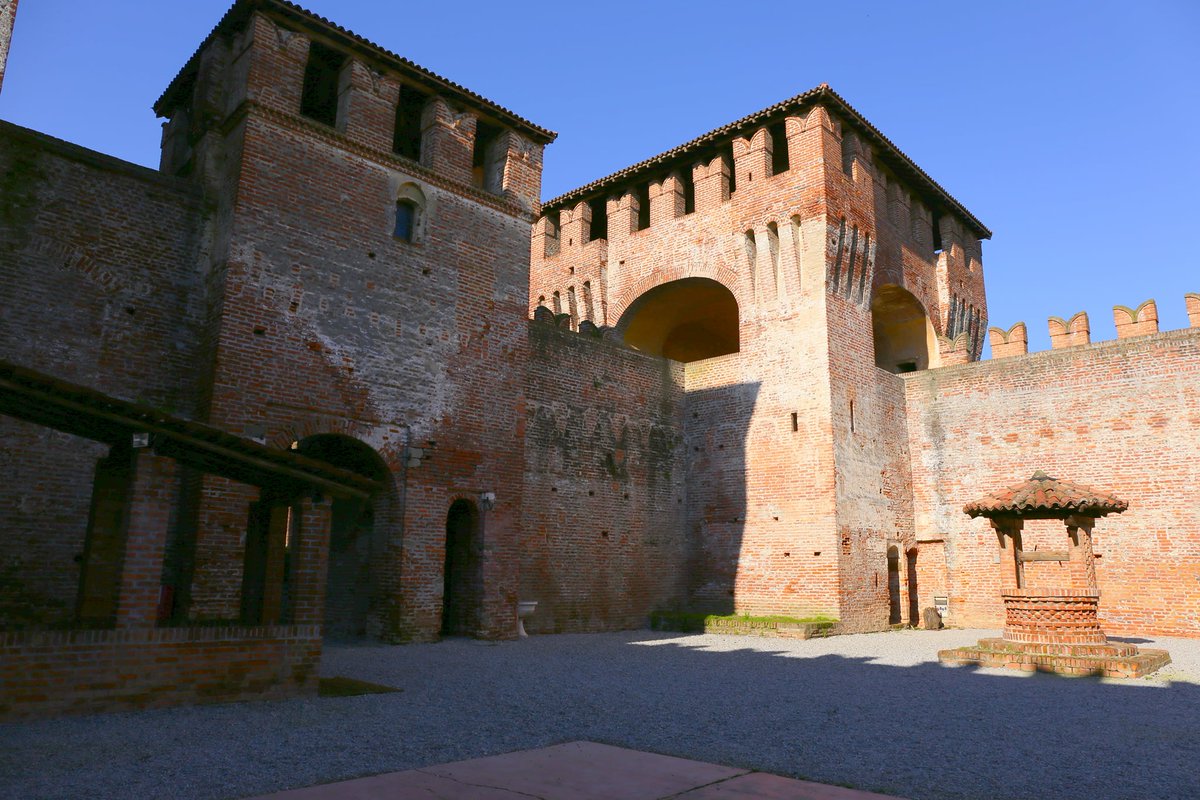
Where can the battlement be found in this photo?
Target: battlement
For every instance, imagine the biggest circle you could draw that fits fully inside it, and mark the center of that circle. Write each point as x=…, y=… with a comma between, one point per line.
x=1141, y=320
x=275, y=56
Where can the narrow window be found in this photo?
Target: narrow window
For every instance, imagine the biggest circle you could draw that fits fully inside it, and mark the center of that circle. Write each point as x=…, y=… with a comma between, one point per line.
x=866, y=263
x=841, y=249
x=780, y=161
x=727, y=157
x=853, y=255
x=937, y=232
x=599, y=226
x=406, y=138
x=642, y=193
x=795, y=422
x=798, y=251
x=751, y=252
x=773, y=248
x=688, y=185
x=849, y=149
x=484, y=168
x=553, y=220
x=406, y=220
x=557, y=304
x=589, y=310
x=852, y=416
x=572, y=307
x=319, y=100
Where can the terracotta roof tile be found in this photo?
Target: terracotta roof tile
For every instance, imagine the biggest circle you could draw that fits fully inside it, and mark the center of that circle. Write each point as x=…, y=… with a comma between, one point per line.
x=1043, y=497
x=242, y=9
x=891, y=154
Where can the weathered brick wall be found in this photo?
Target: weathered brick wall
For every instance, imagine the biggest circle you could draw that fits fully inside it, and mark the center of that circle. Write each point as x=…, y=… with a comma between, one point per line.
x=1121, y=415
x=60, y=672
x=604, y=540
x=99, y=285
x=322, y=321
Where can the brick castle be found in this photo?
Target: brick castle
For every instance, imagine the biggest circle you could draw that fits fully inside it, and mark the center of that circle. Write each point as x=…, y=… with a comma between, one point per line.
x=336, y=369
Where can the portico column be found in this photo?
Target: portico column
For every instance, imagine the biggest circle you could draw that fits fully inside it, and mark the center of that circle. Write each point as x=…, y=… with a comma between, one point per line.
x=1081, y=557
x=1012, y=570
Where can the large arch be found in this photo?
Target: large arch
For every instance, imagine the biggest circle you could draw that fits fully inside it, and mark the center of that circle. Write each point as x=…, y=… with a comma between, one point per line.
x=349, y=587
x=686, y=320
x=904, y=338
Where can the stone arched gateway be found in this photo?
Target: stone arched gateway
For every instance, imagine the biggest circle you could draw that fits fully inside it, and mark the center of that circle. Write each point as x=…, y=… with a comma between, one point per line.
x=351, y=582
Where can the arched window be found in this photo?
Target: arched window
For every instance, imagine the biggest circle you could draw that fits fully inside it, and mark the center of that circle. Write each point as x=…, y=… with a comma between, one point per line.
x=406, y=220
x=410, y=211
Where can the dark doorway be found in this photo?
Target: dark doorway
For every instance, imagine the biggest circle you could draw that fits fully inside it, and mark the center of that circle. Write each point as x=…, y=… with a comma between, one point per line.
x=350, y=587
x=914, y=603
x=893, y=566
x=462, y=583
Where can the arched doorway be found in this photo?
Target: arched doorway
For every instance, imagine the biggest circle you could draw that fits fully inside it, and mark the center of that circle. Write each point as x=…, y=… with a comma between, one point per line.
x=904, y=338
x=462, y=576
x=349, y=587
x=914, y=602
x=893, y=583
x=686, y=320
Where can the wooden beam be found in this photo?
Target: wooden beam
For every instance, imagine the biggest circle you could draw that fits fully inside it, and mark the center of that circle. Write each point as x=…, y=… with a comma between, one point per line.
x=1044, y=555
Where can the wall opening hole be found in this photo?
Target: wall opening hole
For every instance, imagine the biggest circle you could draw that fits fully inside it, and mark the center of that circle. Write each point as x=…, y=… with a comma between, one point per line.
x=795, y=422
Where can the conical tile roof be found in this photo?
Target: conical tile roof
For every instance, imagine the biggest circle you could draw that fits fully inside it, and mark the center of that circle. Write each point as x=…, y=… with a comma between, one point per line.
x=1043, y=497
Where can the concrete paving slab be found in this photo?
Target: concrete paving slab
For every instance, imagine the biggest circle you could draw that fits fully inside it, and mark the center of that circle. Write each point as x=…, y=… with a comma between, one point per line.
x=763, y=786
x=575, y=771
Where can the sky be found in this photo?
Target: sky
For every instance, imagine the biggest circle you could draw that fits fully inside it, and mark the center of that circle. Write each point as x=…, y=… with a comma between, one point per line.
x=1068, y=128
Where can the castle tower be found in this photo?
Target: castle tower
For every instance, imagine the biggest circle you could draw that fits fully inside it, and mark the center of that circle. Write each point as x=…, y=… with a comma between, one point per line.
x=366, y=290
x=8, y=16
x=795, y=263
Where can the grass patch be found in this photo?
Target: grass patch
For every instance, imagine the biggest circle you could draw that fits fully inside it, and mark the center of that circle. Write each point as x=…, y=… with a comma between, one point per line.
x=698, y=620
x=350, y=687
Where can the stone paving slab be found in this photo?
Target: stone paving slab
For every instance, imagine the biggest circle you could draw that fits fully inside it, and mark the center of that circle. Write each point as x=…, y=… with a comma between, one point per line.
x=575, y=771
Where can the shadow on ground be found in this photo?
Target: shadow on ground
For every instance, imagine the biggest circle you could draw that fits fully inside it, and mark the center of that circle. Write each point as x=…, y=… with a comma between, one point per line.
x=868, y=711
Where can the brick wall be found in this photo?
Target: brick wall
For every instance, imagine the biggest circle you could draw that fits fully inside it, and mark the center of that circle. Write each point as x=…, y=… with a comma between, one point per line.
x=57, y=672
x=604, y=500
x=1121, y=415
x=100, y=287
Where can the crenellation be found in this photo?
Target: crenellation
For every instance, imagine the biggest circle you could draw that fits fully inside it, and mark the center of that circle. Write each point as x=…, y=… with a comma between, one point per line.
x=1140, y=321
x=666, y=199
x=1008, y=343
x=1193, y=309
x=1069, y=333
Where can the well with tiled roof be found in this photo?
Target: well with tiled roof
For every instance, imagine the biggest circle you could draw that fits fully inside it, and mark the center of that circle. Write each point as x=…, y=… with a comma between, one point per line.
x=1044, y=497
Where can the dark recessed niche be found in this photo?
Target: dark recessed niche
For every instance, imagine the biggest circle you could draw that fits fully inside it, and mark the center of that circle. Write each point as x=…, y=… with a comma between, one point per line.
x=627, y=495
x=604, y=534
x=371, y=255
x=591, y=493
x=816, y=552
x=259, y=330
x=787, y=555
x=554, y=488
x=425, y=271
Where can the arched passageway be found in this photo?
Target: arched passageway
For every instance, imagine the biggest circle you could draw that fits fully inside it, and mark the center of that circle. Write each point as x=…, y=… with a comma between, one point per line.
x=349, y=587
x=904, y=338
x=893, y=584
x=686, y=320
x=462, y=577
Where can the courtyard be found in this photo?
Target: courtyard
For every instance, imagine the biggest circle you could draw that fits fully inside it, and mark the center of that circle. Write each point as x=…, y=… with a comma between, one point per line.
x=872, y=711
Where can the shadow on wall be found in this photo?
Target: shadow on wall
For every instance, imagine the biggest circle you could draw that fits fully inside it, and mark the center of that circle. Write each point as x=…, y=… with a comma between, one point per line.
x=716, y=425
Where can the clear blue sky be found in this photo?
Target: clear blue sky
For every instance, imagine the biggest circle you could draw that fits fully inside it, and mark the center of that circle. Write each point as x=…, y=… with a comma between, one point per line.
x=1070, y=129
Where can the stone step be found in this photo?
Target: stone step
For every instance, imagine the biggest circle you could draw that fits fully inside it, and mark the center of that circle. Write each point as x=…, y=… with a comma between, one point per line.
x=1136, y=666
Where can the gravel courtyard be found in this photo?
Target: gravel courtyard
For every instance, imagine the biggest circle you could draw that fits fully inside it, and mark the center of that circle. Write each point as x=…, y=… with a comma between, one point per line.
x=873, y=711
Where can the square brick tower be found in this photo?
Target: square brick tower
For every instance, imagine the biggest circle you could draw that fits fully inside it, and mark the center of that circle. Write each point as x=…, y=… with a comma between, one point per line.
x=366, y=285
x=795, y=262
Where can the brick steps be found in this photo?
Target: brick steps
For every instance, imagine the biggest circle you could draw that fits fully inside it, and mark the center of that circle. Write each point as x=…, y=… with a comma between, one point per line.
x=1110, y=661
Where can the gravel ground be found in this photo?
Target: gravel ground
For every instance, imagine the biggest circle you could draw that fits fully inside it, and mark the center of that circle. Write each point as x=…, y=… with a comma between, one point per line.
x=874, y=711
